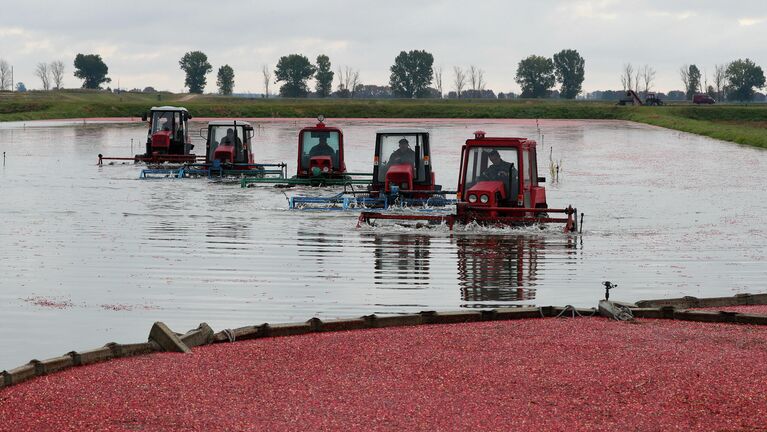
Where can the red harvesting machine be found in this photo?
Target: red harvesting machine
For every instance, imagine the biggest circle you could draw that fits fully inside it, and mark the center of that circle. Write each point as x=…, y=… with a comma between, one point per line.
x=498, y=185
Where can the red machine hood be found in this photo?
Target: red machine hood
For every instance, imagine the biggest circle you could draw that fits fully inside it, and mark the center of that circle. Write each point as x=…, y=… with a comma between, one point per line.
x=224, y=153
x=487, y=187
x=399, y=174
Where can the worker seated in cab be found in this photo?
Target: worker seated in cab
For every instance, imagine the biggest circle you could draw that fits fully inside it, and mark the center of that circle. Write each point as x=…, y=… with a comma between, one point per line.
x=226, y=144
x=320, y=151
x=488, y=170
x=402, y=155
x=168, y=133
x=404, y=160
x=400, y=169
x=322, y=148
x=230, y=139
x=499, y=169
x=164, y=123
x=161, y=133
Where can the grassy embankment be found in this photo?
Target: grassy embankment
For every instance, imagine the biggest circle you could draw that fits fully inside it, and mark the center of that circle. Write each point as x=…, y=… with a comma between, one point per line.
x=744, y=124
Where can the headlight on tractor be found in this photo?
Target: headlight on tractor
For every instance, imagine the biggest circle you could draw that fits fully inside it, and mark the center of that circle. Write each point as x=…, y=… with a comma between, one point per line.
x=404, y=186
x=472, y=198
x=484, y=198
x=325, y=169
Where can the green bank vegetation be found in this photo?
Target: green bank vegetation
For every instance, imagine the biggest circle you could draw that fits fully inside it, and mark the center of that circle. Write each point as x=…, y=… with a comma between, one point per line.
x=744, y=124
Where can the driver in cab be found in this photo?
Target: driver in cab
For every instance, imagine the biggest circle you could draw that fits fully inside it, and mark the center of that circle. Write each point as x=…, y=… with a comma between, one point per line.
x=403, y=155
x=165, y=122
x=322, y=149
x=499, y=169
x=229, y=139
x=232, y=140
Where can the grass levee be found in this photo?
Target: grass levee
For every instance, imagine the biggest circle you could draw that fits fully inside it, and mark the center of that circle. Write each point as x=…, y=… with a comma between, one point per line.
x=744, y=124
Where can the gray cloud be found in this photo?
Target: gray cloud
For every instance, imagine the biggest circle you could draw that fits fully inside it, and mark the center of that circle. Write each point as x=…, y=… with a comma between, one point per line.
x=142, y=41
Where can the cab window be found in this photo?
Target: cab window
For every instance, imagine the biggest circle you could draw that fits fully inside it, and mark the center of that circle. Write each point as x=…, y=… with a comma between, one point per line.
x=493, y=164
x=162, y=121
x=397, y=149
x=320, y=143
x=527, y=167
x=228, y=135
x=178, y=132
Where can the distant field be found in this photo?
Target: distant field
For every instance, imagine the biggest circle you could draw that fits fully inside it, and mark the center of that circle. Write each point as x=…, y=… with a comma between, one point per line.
x=744, y=124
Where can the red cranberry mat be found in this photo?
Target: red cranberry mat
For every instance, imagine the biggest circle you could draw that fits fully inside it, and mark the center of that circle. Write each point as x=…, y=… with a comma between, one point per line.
x=537, y=374
x=749, y=309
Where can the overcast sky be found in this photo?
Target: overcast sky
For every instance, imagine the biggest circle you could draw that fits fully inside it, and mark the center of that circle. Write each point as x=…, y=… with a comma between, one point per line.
x=142, y=41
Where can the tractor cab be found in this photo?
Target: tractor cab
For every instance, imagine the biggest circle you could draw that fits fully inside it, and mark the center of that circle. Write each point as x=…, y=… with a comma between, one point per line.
x=402, y=161
x=167, y=139
x=228, y=142
x=168, y=133
x=321, y=151
x=500, y=172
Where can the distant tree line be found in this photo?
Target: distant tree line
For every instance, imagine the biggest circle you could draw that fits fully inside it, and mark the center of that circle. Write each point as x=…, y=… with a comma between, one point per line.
x=414, y=75
x=735, y=81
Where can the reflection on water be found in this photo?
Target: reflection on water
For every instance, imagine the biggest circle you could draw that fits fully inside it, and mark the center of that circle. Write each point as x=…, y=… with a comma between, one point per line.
x=494, y=271
x=225, y=228
x=187, y=251
x=498, y=268
x=167, y=230
x=401, y=259
x=317, y=245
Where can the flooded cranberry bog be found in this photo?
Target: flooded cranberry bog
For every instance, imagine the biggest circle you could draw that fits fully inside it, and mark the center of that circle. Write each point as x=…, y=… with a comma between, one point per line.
x=92, y=254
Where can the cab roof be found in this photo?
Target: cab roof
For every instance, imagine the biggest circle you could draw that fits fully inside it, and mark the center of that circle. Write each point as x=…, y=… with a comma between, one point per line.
x=321, y=126
x=402, y=131
x=229, y=123
x=500, y=142
x=168, y=108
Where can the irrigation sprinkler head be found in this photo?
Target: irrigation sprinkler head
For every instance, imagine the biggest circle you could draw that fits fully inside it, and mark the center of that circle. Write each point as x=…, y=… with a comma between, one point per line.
x=608, y=286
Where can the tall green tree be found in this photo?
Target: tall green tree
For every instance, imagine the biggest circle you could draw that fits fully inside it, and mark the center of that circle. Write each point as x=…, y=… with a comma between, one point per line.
x=411, y=74
x=225, y=80
x=569, y=69
x=743, y=76
x=324, y=76
x=693, y=81
x=295, y=70
x=535, y=75
x=91, y=69
x=195, y=65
